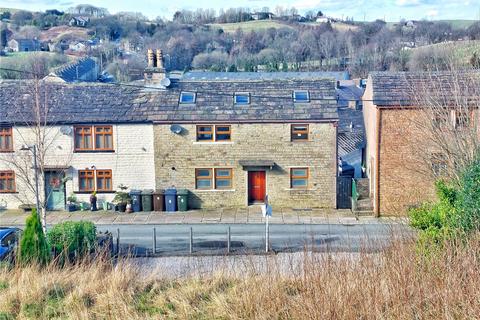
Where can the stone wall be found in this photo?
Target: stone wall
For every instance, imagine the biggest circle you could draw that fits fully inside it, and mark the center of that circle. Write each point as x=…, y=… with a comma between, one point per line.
x=178, y=155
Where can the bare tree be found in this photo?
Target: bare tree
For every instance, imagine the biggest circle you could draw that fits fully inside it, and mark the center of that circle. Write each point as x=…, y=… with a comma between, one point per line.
x=35, y=128
x=448, y=121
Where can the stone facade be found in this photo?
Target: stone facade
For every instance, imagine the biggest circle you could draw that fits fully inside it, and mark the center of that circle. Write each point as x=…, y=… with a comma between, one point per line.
x=178, y=155
x=131, y=162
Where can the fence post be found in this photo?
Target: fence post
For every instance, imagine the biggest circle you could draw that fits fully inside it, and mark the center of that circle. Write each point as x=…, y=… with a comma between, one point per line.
x=191, y=240
x=228, y=239
x=154, y=242
x=266, y=234
x=118, y=241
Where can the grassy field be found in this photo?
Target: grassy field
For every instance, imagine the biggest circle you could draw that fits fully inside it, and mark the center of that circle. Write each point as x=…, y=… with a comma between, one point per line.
x=25, y=61
x=459, y=51
x=396, y=283
x=248, y=26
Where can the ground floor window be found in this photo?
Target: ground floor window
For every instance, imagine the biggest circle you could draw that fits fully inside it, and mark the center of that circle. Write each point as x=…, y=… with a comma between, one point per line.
x=299, y=178
x=213, y=178
x=7, y=181
x=86, y=180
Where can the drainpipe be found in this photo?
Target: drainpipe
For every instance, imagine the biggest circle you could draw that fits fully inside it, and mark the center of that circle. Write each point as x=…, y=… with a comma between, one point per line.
x=377, y=163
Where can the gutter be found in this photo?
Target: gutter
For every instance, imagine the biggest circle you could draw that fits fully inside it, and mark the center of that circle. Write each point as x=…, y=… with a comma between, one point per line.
x=327, y=120
x=377, y=163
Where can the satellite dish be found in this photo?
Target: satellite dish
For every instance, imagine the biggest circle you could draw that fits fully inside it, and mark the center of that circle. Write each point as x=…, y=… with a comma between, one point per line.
x=175, y=128
x=165, y=82
x=66, y=130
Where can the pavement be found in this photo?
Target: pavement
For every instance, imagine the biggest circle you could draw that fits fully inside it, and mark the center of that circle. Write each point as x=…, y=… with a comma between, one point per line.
x=249, y=215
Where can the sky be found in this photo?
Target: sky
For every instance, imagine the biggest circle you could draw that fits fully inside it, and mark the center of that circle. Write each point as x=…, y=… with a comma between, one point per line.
x=391, y=10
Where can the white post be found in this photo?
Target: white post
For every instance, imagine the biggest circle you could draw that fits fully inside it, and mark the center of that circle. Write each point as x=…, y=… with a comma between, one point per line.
x=266, y=234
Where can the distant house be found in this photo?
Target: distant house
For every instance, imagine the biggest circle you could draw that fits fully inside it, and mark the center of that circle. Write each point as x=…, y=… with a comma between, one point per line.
x=23, y=45
x=78, y=46
x=262, y=15
x=79, y=21
x=83, y=70
x=323, y=19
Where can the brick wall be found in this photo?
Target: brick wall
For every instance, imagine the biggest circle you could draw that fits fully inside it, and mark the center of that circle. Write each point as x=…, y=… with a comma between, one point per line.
x=405, y=175
x=253, y=142
x=131, y=164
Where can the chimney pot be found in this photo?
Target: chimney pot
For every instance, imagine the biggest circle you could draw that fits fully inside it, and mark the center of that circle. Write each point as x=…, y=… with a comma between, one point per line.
x=159, y=59
x=150, y=58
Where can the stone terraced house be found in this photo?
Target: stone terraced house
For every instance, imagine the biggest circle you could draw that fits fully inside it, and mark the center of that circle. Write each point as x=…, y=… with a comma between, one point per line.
x=228, y=139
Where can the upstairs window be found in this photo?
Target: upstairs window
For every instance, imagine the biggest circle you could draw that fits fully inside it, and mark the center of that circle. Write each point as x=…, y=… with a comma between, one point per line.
x=299, y=132
x=301, y=96
x=213, y=133
x=187, y=97
x=103, y=138
x=204, y=133
x=7, y=181
x=241, y=98
x=299, y=178
x=90, y=138
x=6, y=140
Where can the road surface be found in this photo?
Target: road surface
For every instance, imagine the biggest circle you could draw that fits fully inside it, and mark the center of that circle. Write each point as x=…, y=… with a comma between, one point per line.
x=174, y=239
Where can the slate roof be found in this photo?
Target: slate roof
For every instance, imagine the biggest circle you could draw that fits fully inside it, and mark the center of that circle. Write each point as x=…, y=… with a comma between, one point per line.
x=347, y=92
x=349, y=142
x=404, y=88
x=271, y=101
x=247, y=76
x=75, y=71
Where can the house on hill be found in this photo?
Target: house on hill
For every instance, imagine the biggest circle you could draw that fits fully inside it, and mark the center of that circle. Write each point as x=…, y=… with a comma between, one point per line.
x=24, y=45
x=79, y=21
x=262, y=15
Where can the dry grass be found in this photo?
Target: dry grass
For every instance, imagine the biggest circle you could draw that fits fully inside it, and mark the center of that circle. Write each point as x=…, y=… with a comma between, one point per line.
x=396, y=283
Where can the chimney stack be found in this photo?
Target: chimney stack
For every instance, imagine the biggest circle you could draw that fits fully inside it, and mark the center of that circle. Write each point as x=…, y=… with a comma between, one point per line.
x=155, y=71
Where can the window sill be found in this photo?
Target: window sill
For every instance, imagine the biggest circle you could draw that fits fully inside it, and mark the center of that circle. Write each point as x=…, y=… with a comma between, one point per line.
x=299, y=189
x=90, y=192
x=215, y=190
x=9, y=192
x=93, y=151
x=213, y=142
x=7, y=151
x=300, y=141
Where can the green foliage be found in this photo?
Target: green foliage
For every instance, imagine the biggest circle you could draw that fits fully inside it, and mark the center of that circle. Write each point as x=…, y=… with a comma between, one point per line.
x=70, y=239
x=121, y=197
x=33, y=245
x=457, y=213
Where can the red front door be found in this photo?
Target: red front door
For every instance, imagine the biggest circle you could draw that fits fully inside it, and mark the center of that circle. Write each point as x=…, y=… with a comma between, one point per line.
x=256, y=186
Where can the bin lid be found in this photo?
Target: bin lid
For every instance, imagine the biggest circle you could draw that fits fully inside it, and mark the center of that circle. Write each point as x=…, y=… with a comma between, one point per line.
x=171, y=191
x=147, y=191
x=182, y=192
x=159, y=191
x=135, y=191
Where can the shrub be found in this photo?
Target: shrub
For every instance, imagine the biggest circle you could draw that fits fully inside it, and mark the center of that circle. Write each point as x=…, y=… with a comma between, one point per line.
x=468, y=200
x=33, y=245
x=70, y=239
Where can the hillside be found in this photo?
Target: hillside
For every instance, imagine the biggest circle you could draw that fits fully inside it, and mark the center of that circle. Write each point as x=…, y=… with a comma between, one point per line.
x=459, y=51
x=248, y=26
x=55, y=33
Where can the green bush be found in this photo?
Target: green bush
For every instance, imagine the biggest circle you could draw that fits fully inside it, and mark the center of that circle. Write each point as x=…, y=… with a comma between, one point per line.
x=70, y=239
x=33, y=245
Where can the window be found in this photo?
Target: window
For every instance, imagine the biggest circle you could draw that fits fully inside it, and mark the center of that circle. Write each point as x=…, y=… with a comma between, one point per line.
x=103, y=138
x=203, y=178
x=83, y=138
x=299, y=132
x=218, y=178
x=7, y=181
x=206, y=133
x=6, y=140
x=104, y=180
x=299, y=178
x=223, y=178
x=301, y=96
x=86, y=180
x=187, y=97
x=241, y=98
x=222, y=133
x=89, y=138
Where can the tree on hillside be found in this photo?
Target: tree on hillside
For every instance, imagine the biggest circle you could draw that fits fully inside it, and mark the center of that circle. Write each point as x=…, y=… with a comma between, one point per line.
x=22, y=17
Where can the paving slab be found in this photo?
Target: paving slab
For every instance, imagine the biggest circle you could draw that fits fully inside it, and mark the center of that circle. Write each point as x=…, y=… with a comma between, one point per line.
x=174, y=218
x=124, y=218
x=157, y=218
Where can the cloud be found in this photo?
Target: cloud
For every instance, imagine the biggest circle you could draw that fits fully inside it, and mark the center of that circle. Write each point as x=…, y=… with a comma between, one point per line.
x=432, y=13
x=407, y=3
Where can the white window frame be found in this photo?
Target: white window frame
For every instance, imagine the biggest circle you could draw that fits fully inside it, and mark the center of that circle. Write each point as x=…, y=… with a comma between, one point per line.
x=302, y=91
x=194, y=94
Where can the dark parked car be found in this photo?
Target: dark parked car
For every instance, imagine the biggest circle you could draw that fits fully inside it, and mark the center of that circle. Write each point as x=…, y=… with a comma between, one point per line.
x=9, y=238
